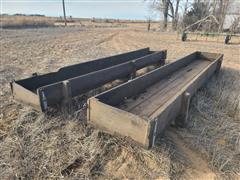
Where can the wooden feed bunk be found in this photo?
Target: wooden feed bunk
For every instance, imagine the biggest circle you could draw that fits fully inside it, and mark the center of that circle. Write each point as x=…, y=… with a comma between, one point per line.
x=144, y=107
x=48, y=90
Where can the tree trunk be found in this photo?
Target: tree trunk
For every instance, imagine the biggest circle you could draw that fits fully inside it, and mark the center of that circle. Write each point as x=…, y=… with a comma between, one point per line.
x=224, y=4
x=165, y=14
x=185, y=8
x=184, y=13
x=175, y=17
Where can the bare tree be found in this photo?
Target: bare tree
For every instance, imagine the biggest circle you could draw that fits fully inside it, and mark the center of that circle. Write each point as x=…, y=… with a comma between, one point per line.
x=235, y=25
x=199, y=11
x=185, y=8
x=162, y=6
x=165, y=13
x=174, y=13
x=169, y=8
x=223, y=8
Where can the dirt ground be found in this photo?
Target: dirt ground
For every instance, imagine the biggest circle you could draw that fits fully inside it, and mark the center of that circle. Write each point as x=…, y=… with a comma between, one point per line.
x=37, y=146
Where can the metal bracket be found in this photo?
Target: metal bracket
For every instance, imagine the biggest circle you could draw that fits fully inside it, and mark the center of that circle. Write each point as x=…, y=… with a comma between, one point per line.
x=43, y=100
x=154, y=132
x=219, y=66
x=183, y=115
x=133, y=74
x=67, y=94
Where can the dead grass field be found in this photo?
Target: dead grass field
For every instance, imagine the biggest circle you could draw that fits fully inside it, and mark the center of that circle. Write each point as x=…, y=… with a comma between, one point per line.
x=20, y=22
x=37, y=146
x=23, y=22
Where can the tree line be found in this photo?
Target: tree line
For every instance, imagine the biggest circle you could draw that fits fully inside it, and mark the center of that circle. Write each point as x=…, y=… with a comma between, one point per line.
x=208, y=15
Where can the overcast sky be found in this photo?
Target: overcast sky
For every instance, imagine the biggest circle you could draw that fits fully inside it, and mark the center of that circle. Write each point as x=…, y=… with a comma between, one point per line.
x=122, y=9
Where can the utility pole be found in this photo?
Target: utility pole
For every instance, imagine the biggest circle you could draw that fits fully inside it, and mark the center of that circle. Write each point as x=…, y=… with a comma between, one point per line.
x=64, y=13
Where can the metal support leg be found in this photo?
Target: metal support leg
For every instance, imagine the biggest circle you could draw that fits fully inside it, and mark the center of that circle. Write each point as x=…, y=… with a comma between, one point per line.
x=160, y=63
x=183, y=116
x=218, y=66
x=133, y=74
x=67, y=101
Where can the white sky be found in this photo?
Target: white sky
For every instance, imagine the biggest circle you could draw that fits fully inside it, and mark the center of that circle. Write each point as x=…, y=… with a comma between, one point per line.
x=122, y=9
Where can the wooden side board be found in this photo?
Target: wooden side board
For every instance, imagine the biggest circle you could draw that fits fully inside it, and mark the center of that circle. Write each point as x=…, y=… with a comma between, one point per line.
x=175, y=106
x=25, y=96
x=68, y=72
x=118, y=121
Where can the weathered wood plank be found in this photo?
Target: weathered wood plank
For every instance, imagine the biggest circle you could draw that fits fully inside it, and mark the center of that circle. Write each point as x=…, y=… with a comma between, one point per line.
x=120, y=122
x=164, y=89
x=23, y=95
x=169, y=89
x=72, y=71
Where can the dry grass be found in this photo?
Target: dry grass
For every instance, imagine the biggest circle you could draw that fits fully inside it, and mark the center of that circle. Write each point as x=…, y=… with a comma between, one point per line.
x=17, y=22
x=57, y=147
x=36, y=146
x=214, y=129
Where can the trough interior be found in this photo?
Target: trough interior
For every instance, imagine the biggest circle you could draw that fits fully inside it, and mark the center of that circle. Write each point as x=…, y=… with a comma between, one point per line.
x=146, y=94
x=146, y=103
x=68, y=72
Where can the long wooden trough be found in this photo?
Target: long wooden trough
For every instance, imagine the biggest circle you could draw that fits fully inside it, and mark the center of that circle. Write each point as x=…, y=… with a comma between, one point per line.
x=43, y=91
x=142, y=108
